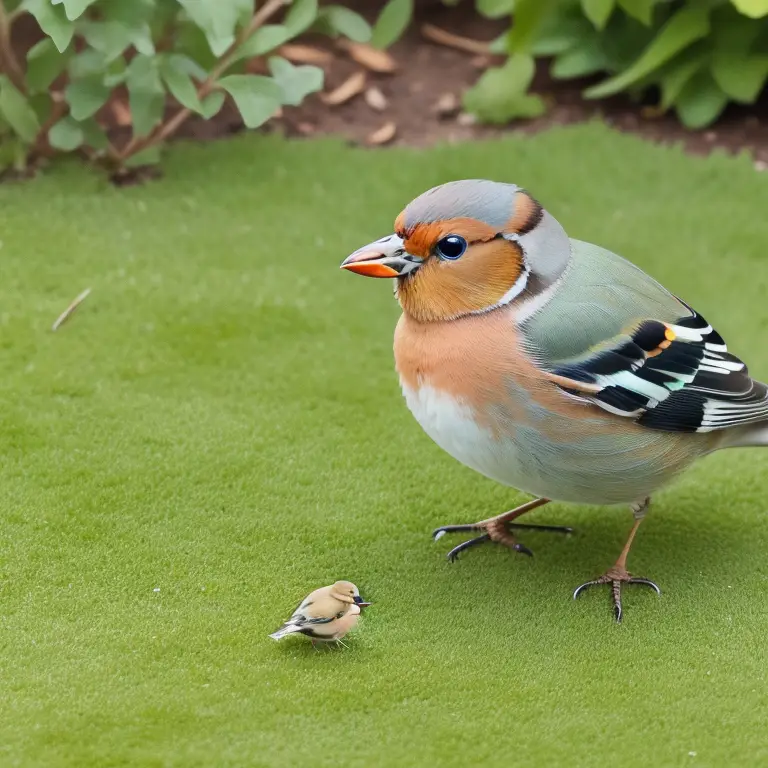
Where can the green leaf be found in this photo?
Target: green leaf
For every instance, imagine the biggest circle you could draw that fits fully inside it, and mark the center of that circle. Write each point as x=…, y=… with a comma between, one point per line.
x=17, y=111
x=86, y=63
x=295, y=82
x=191, y=41
x=257, y=97
x=740, y=76
x=218, y=19
x=392, y=22
x=530, y=16
x=500, y=94
x=677, y=75
x=146, y=96
x=495, y=9
x=74, y=8
x=66, y=135
x=562, y=32
x=579, y=61
x=115, y=72
x=684, y=28
x=175, y=71
x=342, y=21
x=52, y=20
x=212, y=104
x=598, y=11
x=642, y=10
x=127, y=23
x=109, y=37
x=44, y=64
x=755, y=9
x=148, y=156
x=301, y=16
x=94, y=135
x=265, y=39
x=700, y=102
x=86, y=96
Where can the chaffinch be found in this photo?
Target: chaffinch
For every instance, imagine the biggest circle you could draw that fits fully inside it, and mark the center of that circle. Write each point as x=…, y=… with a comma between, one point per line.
x=550, y=364
x=326, y=614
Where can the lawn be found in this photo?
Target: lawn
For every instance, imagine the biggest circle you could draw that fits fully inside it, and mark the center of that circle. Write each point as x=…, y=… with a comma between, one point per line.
x=219, y=429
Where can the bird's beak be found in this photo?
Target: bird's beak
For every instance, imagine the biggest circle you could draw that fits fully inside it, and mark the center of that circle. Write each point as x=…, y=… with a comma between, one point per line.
x=360, y=602
x=384, y=258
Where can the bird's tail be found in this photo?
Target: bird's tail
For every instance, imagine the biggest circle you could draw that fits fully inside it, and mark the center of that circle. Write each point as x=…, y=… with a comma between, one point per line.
x=286, y=629
x=750, y=436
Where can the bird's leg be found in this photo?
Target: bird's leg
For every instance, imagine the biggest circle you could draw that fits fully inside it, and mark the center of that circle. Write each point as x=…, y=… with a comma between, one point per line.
x=498, y=529
x=618, y=574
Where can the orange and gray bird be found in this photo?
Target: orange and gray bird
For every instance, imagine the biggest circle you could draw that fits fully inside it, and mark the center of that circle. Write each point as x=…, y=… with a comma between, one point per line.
x=550, y=364
x=326, y=614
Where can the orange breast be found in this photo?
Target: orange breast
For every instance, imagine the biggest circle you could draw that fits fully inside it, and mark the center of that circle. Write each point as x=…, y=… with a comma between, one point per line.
x=479, y=360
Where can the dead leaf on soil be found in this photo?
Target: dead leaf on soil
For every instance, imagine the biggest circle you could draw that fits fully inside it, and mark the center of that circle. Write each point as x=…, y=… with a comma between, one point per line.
x=121, y=112
x=447, y=105
x=305, y=54
x=383, y=135
x=375, y=99
x=351, y=87
x=459, y=43
x=370, y=57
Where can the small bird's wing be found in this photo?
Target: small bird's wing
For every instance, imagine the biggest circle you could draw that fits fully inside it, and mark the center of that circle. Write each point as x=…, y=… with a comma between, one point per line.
x=666, y=367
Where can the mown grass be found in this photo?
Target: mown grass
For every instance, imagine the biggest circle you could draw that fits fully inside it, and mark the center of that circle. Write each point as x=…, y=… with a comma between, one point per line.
x=219, y=430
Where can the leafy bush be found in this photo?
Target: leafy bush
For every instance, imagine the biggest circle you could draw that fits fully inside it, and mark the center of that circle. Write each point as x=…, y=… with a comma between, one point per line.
x=696, y=55
x=192, y=50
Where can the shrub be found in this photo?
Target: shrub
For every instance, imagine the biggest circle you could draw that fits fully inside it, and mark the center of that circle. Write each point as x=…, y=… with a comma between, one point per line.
x=194, y=51
x=695, y=55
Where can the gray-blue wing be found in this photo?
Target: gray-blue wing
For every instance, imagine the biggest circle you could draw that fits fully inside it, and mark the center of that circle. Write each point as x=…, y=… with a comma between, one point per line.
x=615, y=337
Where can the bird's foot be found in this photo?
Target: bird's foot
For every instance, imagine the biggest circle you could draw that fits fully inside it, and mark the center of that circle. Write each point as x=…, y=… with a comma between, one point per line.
x=616, y=576
x=497, y=531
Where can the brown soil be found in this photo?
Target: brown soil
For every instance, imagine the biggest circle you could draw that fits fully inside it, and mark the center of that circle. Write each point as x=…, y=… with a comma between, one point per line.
x=427, y=73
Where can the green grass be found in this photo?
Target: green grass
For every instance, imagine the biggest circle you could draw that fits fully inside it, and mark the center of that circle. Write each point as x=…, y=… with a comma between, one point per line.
x=219, y=429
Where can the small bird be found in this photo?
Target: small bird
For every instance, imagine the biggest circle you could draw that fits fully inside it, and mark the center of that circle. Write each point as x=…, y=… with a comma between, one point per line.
x=550, y=364
x=326, y=614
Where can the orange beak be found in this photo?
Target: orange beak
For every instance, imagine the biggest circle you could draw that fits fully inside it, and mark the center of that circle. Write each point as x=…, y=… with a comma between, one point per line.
x=384, y=258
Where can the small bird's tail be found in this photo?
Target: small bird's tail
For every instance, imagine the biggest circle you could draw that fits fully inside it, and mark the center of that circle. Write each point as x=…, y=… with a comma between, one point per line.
x=754, y=435
x=286, y=629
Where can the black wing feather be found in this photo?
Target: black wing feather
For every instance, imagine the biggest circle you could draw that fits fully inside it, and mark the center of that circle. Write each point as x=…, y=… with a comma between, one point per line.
x=676, y=377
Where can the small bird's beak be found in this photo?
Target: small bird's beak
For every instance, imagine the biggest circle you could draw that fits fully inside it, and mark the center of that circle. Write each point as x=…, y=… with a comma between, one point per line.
x=359, y=601
x=384, y=258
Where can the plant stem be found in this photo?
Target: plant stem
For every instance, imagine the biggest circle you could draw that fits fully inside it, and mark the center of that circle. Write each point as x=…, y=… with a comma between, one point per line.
x=8, y=63
x=163, y=131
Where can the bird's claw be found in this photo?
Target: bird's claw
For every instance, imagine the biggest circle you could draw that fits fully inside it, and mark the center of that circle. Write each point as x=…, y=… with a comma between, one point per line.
x=616, y=578
x=499, y=532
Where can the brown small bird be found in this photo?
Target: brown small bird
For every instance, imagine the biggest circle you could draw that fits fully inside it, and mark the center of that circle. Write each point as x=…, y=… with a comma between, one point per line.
x=326, y=614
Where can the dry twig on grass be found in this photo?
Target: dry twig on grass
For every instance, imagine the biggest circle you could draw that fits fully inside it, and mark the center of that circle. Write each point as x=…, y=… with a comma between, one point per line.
x=64, y=316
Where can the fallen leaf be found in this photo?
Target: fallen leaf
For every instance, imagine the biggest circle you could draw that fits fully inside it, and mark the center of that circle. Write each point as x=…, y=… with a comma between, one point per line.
x=369, y=57
x=441, y=37
x=351, y=87
x=375, y=99
x=121, y=112
x=305, y=54
x=448, y=104
x=383, y=135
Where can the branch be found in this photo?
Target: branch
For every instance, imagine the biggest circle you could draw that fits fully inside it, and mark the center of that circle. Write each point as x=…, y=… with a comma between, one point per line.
x=8, y=62
x=163, y=131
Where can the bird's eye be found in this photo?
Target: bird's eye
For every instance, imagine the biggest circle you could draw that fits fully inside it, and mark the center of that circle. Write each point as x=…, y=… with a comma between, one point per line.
x=451, y=247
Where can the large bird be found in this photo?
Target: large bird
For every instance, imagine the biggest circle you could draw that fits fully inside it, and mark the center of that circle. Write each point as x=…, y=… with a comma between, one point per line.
x=550, y=364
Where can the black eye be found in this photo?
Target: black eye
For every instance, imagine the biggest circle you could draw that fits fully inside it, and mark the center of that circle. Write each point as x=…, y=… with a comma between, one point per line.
x=451, y=247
